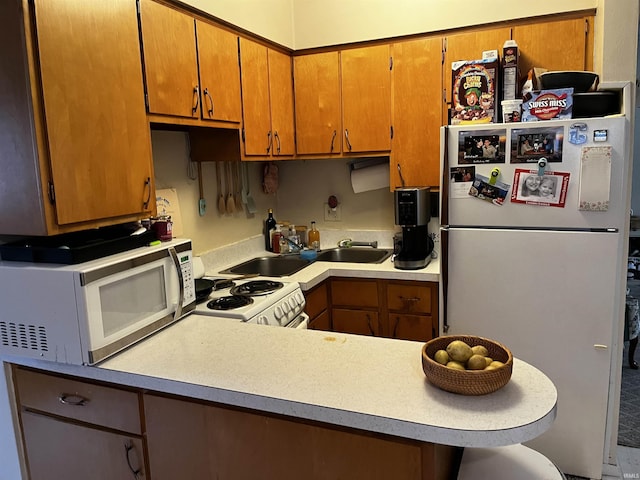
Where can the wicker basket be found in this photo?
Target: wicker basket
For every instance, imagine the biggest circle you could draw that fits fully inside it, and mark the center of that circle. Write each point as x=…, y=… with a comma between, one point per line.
x=467, y=382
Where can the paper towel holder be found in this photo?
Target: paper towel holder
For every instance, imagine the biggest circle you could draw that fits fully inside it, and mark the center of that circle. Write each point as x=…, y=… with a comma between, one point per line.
x=367, y=162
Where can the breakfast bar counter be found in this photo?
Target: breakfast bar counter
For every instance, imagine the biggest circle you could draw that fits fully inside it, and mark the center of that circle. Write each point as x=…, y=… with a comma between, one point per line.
x=365, y=383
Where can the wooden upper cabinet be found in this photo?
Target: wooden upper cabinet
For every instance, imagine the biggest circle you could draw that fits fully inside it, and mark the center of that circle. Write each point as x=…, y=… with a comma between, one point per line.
x=317, y=101
x=469, y=46
x=281, y=100
x=171, y=68
x=267, y=100
x=97, y=132
x=219, y=73
x=366, y=99
x=191, y=66
x=554, y=45
x=417, y=117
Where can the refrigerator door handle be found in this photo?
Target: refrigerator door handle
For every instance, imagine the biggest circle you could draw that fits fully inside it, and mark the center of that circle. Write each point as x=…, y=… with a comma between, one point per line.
x=444, y=276
x=444, y=194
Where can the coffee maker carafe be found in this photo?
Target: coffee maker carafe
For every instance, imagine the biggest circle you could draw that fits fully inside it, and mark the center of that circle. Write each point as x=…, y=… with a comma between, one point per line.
x=412, y=208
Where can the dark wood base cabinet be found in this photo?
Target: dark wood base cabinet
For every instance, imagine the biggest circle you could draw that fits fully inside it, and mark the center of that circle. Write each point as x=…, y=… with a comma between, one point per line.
x=192, y=440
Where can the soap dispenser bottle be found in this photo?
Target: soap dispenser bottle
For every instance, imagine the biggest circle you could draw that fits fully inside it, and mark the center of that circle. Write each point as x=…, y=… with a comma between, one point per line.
x=314, y=237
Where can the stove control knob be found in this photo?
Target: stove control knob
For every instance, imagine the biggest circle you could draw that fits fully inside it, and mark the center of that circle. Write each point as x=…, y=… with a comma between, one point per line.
x=286, y=308
x=300, y=298
x=293, y=303
x=262, y=320
x=278, y=312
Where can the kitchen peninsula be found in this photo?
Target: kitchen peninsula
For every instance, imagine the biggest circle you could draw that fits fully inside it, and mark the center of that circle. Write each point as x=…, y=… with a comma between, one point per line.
x=355, y=388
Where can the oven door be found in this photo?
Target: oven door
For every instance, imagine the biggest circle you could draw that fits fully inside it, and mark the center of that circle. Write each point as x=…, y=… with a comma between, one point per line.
x=129, y=301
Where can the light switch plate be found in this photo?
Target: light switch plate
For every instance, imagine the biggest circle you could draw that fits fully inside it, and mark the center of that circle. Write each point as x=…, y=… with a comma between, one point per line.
x=332, y=214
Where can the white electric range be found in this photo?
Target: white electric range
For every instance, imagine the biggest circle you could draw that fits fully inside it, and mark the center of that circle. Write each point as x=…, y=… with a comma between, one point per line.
x=261, y=301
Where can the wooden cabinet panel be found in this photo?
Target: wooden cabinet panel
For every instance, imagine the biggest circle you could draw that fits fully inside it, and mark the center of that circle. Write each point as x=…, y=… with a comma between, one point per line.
x=361, y=322
x=469, y=46
x=219, y=73
x=57, y=449
x=554, y=45
x=316, y=300
x=281, y=100
x=410, y=298
x=254, y=70
x=321, y=322
x=188, y=440
x=366, y=99
x=171, y=67
x=417, y=93
x=86, y=402
x=357, y=293
x=420, y=328
x=97, y=131
x=317, y=103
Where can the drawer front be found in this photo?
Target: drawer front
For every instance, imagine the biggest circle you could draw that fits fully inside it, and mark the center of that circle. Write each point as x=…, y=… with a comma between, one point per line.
x=411, y=298
x=316, y=300
x=85, y=402
x=419, y=328
x=354, y=293
x=360, y=322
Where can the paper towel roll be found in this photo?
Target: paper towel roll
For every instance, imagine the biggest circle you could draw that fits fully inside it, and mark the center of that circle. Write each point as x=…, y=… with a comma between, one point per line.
x=370, y=178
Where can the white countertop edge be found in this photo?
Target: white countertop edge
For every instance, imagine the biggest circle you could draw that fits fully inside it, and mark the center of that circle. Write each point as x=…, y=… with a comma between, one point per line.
x=298, y=410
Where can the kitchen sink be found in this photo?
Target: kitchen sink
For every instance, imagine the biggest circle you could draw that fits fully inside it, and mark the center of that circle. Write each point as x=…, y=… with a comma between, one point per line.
x=354, y=255
x=281, y=266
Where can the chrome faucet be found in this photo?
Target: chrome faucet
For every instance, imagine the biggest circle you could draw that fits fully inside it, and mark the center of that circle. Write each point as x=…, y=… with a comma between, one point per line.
x=293, y=244
x=347, y=243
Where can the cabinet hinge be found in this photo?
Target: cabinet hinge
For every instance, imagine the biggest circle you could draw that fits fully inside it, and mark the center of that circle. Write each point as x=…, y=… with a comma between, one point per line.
x=51, y=192
x=391, y=131
x=390, y=63
x=586, y=25
x=138, y=7
x=243, y=135
x=146, y=101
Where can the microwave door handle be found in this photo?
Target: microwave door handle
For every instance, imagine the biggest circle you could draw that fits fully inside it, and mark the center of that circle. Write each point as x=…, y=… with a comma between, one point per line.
x=174, y=257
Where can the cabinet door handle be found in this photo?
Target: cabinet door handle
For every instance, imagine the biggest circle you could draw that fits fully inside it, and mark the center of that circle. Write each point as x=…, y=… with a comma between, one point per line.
x=269, y=141
x=369, y=324
x=277, y=137
x=395, y=328
x=208, y=95
x=409, y=299
x=147, y=186
x=128, y=446
x=196, y=95
x=73, y=399
x=333, y=137
x=346, y=136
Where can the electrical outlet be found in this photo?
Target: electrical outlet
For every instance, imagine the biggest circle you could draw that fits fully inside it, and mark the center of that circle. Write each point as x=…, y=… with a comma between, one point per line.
x=332, y=214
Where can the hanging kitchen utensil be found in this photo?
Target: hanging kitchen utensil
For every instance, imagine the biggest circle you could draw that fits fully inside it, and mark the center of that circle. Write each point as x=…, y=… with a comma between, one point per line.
x=243, y=177
x=236, y=177
x=251, y=204
x=231, y=206
x=221, y=204
x=270, y=178
x=202, y=203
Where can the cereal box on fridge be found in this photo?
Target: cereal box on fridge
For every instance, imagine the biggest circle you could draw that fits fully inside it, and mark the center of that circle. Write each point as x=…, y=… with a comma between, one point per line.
x=474, y=88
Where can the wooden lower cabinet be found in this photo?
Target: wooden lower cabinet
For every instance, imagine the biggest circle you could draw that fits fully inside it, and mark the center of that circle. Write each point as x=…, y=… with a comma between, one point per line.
x=194, y=440
x=400, y=309
x=317, y=307
x=60, y=449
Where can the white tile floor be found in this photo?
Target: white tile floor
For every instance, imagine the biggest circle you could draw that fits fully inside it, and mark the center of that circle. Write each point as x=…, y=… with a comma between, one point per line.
x=629, y=462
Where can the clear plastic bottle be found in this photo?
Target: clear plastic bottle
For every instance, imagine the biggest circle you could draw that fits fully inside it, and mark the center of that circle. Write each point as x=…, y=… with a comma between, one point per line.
x=314, y=237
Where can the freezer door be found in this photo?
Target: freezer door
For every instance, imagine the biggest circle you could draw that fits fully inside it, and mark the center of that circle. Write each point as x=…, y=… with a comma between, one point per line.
x=551, y=298
x=466, y=210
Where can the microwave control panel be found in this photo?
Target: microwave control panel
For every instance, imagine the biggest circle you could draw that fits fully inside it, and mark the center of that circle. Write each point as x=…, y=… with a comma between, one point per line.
x=186, y=265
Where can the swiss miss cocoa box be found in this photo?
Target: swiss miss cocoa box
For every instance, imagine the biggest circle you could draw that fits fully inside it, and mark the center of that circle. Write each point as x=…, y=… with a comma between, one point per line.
x=473, y=92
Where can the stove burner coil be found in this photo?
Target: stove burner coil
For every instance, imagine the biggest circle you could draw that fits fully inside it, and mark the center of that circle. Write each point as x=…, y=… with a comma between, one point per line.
x=256, y=287
x=229, y=302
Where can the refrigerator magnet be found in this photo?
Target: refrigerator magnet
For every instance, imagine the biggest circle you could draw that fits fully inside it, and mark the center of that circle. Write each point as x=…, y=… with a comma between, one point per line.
x=548, y=190
x=595, y=179
x=461, y=178
x=483, y=189
x=528, y=145
x=482, y=146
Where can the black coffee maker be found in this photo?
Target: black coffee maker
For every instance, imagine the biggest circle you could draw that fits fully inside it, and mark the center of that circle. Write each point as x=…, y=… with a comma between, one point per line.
x=414, y=246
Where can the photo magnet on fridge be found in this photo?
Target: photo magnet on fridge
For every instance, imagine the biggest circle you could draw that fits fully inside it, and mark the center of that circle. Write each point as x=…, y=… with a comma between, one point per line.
x=528, y=145
x=481, y=146
x=548, y=190
x=495, y=193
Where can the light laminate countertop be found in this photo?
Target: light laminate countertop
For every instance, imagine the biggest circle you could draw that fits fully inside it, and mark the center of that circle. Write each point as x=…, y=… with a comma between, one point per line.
x=368, y=383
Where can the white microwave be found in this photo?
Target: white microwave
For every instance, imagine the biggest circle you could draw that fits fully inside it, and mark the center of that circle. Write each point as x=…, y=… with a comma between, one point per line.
x=84, y=313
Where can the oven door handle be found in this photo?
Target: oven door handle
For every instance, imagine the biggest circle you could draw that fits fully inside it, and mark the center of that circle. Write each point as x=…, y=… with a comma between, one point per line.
x=299, y=320
x=176, y=262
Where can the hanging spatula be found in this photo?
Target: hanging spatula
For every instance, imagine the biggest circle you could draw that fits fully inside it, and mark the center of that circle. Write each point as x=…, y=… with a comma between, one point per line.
x=202, y=203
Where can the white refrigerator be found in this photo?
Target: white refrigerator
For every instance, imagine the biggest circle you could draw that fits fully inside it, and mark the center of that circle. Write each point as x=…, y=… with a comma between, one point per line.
x=539, y=263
